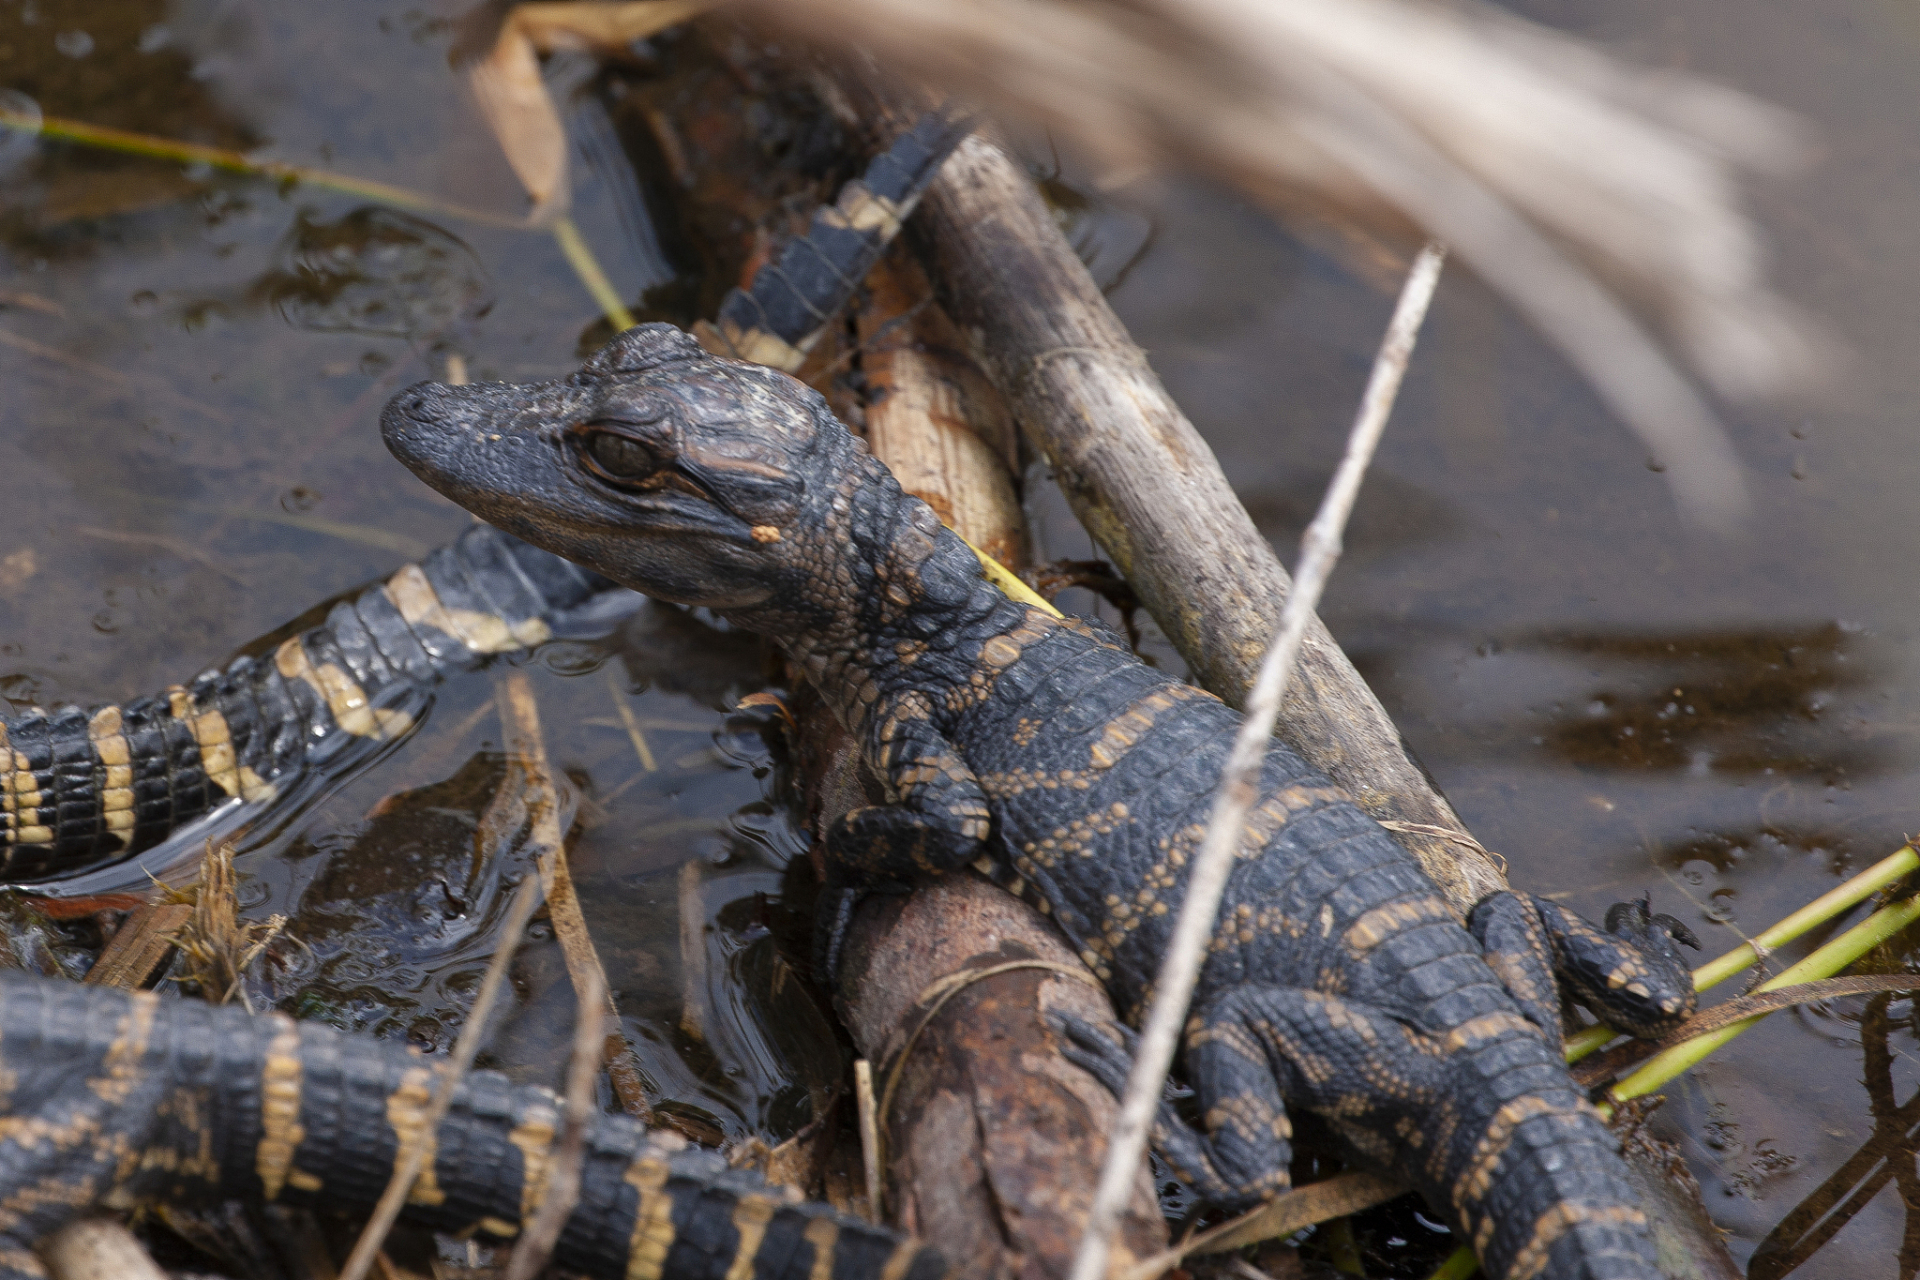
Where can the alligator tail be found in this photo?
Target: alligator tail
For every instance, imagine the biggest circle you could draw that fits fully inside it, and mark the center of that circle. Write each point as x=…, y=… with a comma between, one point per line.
x=1532, y=1172
x=131, y=1098
x=80, y=790
x=797, y=295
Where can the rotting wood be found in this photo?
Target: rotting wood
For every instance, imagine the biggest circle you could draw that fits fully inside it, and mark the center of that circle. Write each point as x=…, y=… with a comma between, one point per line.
x=140, y=946
x=989, y=1139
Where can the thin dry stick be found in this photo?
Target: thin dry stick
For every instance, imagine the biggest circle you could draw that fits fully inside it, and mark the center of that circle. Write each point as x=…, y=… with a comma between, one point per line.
x=563, y=1177
x=1319, y=549
x=452, y=1072
x=869, y=1134
x=520, y=731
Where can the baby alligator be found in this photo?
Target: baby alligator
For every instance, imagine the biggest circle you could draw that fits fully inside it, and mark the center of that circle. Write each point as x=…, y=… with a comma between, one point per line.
x=128, y=1099
x=1042, y=752
x=83, y=789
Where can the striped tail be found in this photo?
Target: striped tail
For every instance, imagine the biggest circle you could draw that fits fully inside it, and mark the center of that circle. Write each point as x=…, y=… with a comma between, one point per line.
x=796, y=296
x=214, y=1103
x=81, y=790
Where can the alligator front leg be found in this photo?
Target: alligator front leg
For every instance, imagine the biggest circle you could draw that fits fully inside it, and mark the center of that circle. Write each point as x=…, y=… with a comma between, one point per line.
x=1252, y=1051
x=1630, y=974
x=938, y=822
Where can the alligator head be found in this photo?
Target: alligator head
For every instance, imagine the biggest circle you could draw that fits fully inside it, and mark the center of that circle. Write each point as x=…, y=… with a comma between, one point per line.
x=695, y=479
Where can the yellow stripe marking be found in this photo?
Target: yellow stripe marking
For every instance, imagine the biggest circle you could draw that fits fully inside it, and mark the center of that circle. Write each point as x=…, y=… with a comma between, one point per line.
x=652, y=1218
x=407, y=1113
x=280, y=1131
x=1485, y=1027
x=301, y=1180
x=216, y=748
x=344, y=697
x=903, y=1255
x=750, y=1218
x=823, y=1234
x=1381, y=923
x=858, y=209
x=413, y=595
x=534, y=1137
x=1553, y=1224
x=761, y=347
x=500, y=1227
x=1471, y=1187
x=120, y=1066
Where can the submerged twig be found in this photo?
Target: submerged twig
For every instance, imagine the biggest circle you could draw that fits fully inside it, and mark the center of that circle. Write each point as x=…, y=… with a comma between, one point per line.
x=1173, y=986
x=562, y=1191
x=413, y=1155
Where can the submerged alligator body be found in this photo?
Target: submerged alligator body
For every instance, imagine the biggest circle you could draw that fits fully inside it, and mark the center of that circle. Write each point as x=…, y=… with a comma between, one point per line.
x=1041, y=751
x=127, y=1099
x=84, y=789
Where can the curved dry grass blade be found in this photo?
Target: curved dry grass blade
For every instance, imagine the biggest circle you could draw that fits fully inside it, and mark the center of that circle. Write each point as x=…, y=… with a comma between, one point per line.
x=1173, y=985
x=1738, y=1010
x=517, y=107
x=1598, y=198
x=1334, y=1197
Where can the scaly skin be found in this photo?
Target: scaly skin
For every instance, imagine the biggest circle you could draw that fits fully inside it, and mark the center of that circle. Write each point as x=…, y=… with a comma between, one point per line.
x=1044, y=753
x=124, y=1099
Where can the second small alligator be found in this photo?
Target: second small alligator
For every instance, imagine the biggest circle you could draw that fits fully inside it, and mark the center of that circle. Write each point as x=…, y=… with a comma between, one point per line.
x=1043, y=752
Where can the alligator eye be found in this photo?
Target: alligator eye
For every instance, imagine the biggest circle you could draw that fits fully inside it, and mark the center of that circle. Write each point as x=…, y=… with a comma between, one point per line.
x=621, y=457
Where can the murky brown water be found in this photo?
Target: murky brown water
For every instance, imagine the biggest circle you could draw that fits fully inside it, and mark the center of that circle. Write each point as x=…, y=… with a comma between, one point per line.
x=189, y=459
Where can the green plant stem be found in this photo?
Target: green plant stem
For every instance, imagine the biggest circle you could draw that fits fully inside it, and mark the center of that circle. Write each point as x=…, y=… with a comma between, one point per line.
x=1459, y=1265
x=1823, y=963
x=1887, y=871
x=145, y=144
x=588, y=269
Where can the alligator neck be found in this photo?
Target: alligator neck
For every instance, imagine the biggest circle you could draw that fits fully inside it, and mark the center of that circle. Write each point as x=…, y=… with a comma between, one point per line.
x=895, y=605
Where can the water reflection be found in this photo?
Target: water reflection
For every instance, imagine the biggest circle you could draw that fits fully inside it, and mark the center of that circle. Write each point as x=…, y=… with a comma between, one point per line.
x=373, y=271
x=1888, y=1156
